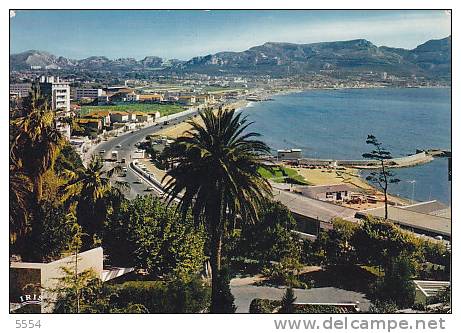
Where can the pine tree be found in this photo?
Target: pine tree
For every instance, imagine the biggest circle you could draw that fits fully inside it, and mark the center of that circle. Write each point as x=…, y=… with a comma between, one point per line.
x=383, y=177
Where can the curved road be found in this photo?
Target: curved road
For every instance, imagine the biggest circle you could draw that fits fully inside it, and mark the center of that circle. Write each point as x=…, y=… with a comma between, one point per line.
x=126, y=143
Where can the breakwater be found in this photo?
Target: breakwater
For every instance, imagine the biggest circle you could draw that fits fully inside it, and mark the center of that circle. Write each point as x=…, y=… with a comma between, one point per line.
x=418, y=158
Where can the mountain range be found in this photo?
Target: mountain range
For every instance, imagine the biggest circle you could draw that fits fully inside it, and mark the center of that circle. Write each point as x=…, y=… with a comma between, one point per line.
x=430, y=59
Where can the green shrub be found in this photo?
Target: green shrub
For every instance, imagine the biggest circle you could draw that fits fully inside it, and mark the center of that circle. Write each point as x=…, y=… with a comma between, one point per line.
x=383, y=307
x=259, y=305
x=165, y=297
x=286, y=273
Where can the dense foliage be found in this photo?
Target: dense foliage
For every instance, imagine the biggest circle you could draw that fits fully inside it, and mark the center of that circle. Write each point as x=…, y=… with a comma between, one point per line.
x=178, y=296
x=258, y=305
x=39, y=160
x=396, y=285
x=145, y=234
x=271, y=239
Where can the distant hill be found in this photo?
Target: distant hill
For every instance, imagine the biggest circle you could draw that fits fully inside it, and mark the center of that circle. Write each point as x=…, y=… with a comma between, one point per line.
x=431, y=59
x=33, y=58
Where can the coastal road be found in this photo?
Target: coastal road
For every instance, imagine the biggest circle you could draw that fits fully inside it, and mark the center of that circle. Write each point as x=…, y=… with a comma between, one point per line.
x=124, y=144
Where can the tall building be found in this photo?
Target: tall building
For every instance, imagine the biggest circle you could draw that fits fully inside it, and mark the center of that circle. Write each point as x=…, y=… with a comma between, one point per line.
x=58, y=90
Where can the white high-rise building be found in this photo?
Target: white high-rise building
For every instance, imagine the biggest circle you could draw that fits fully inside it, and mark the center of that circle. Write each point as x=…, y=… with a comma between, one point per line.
x=58, y=90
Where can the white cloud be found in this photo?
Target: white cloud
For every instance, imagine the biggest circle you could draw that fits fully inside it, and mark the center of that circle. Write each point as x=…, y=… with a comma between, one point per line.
x=12, y=13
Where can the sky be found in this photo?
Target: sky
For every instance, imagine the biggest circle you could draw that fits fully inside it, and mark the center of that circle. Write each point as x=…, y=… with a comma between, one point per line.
x=184, y=34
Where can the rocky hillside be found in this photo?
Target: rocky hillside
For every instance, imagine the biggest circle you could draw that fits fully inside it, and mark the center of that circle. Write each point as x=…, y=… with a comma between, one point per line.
x=431, y=59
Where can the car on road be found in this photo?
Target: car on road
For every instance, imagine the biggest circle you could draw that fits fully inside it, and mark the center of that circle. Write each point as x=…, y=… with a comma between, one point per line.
x=149, y=189
x=118, y=146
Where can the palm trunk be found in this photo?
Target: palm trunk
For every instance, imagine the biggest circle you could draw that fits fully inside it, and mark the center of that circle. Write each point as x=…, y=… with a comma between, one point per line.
x=216, y=246
x=38, y=187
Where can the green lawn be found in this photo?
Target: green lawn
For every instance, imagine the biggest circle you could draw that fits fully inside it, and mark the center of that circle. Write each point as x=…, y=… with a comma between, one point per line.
x=164, y=109
x=282, y=175
x=212, y=89
x=373, y=270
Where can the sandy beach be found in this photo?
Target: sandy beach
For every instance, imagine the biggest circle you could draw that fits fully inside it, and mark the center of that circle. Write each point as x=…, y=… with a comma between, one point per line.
x=330, y=176
x=178, y=129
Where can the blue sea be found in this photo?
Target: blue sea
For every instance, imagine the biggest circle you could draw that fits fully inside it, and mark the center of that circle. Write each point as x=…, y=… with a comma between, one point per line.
x=335, y=124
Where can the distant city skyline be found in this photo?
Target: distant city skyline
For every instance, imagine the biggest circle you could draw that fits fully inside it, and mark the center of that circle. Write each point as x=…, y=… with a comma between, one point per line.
x=183, y=34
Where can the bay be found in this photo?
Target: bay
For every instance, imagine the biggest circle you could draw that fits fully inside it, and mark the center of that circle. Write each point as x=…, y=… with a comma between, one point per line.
x=334, y=124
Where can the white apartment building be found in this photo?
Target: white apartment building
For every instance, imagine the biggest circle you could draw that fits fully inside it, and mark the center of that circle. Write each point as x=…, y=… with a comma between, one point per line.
x=58, y=90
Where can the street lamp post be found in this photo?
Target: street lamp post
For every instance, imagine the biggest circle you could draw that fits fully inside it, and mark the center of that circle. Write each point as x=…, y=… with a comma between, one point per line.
x=413, y=190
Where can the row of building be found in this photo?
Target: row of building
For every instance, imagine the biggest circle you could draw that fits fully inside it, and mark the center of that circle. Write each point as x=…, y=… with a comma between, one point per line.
x=62, y=94
x=104, y=119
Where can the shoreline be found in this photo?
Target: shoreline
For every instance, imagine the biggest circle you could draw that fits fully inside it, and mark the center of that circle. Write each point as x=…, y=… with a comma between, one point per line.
x=358, y=180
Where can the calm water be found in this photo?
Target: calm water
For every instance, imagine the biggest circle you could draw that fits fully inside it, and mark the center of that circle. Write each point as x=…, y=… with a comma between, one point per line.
x=335, y=124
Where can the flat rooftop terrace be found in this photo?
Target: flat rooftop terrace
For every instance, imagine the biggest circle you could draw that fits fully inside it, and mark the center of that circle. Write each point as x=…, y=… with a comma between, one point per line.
x=312, y=208
x=419, y=222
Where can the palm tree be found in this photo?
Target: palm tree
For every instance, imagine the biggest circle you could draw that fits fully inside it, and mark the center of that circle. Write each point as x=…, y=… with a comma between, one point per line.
x=215, y=172
x=91, y=187
x=36, y=141
x=20, y=188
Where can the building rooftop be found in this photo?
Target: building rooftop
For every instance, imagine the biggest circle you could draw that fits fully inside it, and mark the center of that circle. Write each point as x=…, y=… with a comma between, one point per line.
x=149, y=95
x=312, y=208
x=123, y=113
x=319, y=189
x=87, y=120
x=433, y=207
x=293, y=150
x=420, y=222
x=431, y=288
x=96, y=114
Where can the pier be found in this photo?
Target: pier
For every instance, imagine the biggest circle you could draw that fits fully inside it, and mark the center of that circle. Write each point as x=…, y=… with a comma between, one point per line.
x=420, y=157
